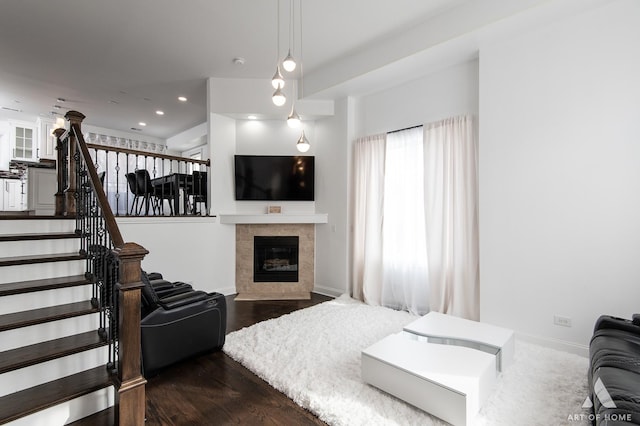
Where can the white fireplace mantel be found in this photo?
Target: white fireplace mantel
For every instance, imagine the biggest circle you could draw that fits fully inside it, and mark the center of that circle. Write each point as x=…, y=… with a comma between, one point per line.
x=235, y=218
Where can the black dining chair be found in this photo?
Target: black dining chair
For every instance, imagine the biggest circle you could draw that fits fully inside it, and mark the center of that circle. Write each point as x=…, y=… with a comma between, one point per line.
x=197, y=192
x=162, y=192
x=142, y=190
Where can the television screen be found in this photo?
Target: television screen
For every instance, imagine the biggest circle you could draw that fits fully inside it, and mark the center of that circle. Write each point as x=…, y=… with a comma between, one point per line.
x=273, y=177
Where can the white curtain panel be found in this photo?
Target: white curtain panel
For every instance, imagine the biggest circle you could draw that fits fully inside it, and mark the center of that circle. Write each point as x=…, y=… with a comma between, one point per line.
x=451, y=205
x=415, y=241
x=405, y=281
x=369, y=153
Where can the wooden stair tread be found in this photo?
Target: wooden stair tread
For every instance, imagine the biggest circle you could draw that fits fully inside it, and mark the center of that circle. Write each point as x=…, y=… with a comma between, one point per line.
x=25, y=356
x=42, y=315
x=41, y=258
x=29, y=401
x=101, y=418
x=38, y=236
x=34, y=217
x=20, y=287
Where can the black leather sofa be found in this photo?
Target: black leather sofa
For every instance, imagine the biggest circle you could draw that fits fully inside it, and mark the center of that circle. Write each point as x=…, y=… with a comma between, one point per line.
x=178, y=322
x=614, y=373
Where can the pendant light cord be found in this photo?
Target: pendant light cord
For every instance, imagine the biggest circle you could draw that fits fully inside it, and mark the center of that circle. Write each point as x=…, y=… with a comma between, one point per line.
x=278, y=32
x=291, y=30
x=301, y=61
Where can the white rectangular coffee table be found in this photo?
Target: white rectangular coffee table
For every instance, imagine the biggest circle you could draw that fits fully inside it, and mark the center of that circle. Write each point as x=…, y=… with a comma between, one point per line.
x=452, y=330
x=449, y=382
x=442, y=364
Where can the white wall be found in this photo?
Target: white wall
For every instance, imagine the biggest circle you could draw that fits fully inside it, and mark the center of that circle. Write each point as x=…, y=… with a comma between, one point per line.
x=199, y=251
x=560, y=174
x=450, y=92
x=188, y=139
x=332, y=189
x=274, y=137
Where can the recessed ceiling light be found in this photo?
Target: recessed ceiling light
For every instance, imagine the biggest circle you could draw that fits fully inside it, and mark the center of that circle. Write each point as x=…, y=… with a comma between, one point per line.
x=57, y=106
x=252, y=117
x=136, y=129
x=61, y=100
x=182, y=99
x=142, y=123
x=114, y=102
x=159, y=112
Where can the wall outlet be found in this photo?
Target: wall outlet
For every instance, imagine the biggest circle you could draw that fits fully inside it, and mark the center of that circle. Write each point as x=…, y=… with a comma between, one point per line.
x=563, y=321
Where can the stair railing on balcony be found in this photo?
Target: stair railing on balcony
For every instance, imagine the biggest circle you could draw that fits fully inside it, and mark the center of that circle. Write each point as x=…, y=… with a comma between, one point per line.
x=113, y=266
x=147, y=183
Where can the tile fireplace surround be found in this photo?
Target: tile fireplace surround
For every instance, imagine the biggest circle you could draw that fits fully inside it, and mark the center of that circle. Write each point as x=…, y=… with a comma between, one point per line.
x=247, y=289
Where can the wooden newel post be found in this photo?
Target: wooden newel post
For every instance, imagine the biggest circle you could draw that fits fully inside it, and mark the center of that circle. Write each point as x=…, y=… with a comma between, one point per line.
x=74, y=117
x=130, y=384
x=61, y=172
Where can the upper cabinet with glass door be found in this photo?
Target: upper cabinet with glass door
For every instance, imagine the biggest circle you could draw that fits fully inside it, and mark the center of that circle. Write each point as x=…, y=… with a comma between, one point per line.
x=47, y=140
x=24, y=141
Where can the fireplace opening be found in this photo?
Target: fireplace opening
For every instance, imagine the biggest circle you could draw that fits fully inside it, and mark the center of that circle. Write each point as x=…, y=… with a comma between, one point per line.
x=275, y=259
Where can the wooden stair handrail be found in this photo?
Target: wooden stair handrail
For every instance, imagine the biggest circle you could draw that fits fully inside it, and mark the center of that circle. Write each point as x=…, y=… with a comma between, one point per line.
x=129, y=384
x=110, y=219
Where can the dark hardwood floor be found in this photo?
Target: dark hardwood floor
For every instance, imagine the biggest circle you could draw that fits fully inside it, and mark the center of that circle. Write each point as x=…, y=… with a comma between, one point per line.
x=213, y=389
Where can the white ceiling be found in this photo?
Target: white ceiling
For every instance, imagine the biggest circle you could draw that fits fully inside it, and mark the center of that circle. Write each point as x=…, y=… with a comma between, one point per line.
x=118, y=61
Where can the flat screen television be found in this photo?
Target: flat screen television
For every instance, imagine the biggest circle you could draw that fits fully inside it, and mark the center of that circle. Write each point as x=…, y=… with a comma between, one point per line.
x=274, y=177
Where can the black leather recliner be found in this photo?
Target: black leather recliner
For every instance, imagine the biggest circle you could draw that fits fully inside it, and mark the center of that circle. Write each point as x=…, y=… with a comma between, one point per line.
x=178, y=322
x=614, y=372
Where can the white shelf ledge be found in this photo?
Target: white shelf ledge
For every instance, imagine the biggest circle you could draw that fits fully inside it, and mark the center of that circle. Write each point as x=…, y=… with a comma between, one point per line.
x=233, y=218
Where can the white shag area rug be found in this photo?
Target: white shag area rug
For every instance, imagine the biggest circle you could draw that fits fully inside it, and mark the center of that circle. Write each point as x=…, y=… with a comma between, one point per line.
x=313, y=356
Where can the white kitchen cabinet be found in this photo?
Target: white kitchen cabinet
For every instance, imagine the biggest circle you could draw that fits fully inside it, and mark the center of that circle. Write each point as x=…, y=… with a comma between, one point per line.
x=46, y=139
x=13, y=195
x=24, y=140
x=43, y=185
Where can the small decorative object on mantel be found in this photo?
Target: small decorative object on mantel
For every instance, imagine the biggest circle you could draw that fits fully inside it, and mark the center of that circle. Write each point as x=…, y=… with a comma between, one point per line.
x=274, y=209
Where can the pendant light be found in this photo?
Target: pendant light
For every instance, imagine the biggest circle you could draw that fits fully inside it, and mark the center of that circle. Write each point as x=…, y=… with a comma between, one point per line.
x=278, y=97
x=303, y=144
x=277, y=81
x=289, y=64
x=293, y=120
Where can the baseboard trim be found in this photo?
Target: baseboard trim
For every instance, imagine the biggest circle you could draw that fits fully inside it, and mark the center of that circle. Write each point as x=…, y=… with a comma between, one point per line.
x=327, y=291
x=561, y=345
x=227, y=291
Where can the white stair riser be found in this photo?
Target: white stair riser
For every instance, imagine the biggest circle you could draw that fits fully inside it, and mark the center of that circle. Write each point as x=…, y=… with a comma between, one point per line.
x=33, y=247
x=37, y=271
x=17, y=380
x=25, y=336
x=44, y=299
x=70, y=411
x=35, y=226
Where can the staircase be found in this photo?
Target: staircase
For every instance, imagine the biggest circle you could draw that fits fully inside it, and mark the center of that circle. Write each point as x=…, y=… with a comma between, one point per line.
x=52, y=360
